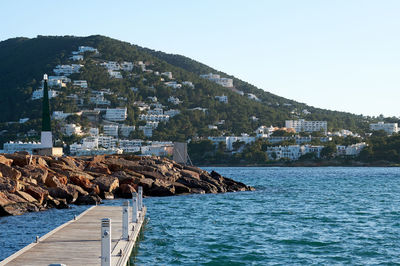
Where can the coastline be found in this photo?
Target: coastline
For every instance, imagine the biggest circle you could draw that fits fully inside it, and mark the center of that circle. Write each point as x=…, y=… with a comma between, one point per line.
x=34, y=183
x=306, y=164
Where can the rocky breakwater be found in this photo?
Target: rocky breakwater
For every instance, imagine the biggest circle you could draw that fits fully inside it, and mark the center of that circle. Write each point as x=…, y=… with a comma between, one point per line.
x=33, y=183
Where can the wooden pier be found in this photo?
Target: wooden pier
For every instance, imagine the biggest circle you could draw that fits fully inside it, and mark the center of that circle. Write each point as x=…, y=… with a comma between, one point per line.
x=102, y=235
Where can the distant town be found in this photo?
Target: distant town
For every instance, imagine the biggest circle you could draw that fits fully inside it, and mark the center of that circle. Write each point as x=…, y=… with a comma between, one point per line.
x=114, y=136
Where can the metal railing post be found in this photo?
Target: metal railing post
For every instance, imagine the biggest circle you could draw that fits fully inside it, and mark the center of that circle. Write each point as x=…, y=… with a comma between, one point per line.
x=106, y=242
x=140, y=198
x=125, y=220
x=134, y=208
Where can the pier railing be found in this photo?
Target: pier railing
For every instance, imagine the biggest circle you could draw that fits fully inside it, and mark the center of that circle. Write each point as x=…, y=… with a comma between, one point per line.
x=130, y=231
x=111, y=246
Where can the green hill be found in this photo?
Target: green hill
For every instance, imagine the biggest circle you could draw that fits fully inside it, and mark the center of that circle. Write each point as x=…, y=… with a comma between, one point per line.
x=23, y=62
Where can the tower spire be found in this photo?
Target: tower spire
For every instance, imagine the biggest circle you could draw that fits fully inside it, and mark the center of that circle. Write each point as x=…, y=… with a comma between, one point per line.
x=46, y=124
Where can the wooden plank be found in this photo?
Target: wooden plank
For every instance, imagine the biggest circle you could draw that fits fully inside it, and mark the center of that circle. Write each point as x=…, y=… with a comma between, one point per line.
x=78, y=242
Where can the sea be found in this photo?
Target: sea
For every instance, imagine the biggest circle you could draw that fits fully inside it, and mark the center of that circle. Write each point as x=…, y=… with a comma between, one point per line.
x=296, y=216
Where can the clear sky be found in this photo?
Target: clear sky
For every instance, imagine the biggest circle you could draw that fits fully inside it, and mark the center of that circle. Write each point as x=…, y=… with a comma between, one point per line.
x=341, y=55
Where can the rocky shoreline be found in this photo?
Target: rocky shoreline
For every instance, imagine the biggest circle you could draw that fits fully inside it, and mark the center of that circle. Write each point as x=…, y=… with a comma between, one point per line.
x=34, y=183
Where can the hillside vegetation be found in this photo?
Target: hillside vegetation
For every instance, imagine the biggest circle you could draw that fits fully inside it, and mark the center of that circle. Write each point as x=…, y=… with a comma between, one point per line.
x=23, y=62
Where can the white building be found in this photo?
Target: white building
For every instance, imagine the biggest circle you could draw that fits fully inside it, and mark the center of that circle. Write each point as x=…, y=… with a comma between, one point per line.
x=222, y=99
x=60, y=115
x=80, y=83
x=291, y=152
x=212, y=127
x=254, y=118
x=172, y=112
x=225, y=82
x=188, y=84
x=126, y=66
x=130, y=146
x=58, y=81
x=351, y=150
x=76, y=57
x=316, y=149
x=116, y=114
x=157, y=149
x=38, y=94
x=153, y=99
x=94, y=132
x=72, y=129
x=155, y=111
x=167, y=74
x=306, y=126
x=157, y=118
x=389, y=128
x=67, y=69
x=99, y=99
x=265, y=132
x=115, y=74
x=111, y=65
x=345, y=133
x=126, y=130
x=12, y=147
x=83, y=49
x=174, y=100
x=229, y=140
x=153, y=124
x=173, y=84
x=141, y=65
x=251, y=96
x=111, y=130
x=147, y=130
x=107, y=141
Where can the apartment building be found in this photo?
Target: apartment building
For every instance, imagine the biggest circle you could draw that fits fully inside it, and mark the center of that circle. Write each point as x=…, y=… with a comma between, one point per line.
x=116, y=114
x=302, y=125
x=389, y=128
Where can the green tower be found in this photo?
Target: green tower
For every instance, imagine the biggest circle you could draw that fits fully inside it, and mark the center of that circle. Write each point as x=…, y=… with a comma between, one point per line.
x=46, y=136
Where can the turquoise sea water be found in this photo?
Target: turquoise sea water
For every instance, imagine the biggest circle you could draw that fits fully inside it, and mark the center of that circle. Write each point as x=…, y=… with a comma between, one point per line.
x=297, y=216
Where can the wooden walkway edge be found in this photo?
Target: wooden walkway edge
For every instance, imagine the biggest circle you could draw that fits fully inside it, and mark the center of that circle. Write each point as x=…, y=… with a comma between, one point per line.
x=78, y=242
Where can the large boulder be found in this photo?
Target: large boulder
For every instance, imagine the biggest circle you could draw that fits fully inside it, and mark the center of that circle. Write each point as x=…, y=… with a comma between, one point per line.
x=26, y=196
x=81, y=180
x=35, y=172
x=39, y=161
x=9, y=172
x=126, y=190
x=19, y=158
x=153, y=175
x=11, y=204
x=119, y=164
x=180, y=188
x=98, y=168
x=107, y=183
x=72, y=162
x=98, y=159
x=193, y=183
x=5, y=161
x=56, y=203
x=9, y=184
x=52, y=181
x=80, y=190
x=89, y=199
x=68, y=193
x=37, y=192
x=161, y=188
x=190, y=174
x=194, y=169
